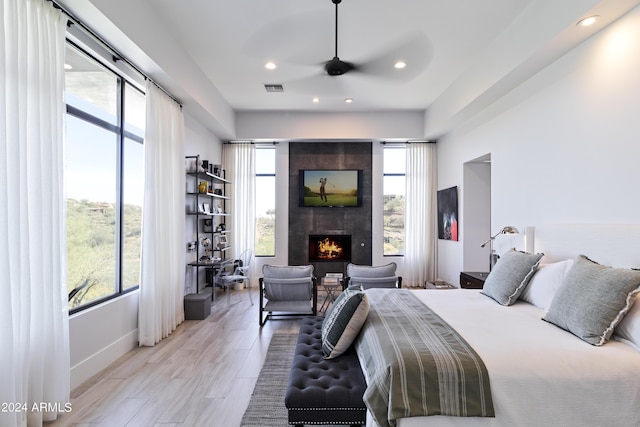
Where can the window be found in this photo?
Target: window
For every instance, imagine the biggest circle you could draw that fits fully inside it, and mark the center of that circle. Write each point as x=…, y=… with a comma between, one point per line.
x=104, y=180
x=265, y=201
x=394, y=200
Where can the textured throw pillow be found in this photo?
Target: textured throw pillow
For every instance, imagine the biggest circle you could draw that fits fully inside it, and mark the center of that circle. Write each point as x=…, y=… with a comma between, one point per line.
x=593, y=299
x=510, y=275
x=545, y=283
x=344, y=321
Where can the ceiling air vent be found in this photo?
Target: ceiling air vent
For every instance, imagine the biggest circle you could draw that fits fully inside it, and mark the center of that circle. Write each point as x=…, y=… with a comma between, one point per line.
x=274, y=88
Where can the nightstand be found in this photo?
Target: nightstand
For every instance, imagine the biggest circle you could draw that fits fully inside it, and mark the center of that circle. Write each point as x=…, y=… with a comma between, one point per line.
x=472, y=279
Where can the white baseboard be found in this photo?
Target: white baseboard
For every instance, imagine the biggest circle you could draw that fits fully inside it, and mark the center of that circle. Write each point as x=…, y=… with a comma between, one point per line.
x=94, y=364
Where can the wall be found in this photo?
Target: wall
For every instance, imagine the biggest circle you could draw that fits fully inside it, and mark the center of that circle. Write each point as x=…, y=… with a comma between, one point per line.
x=341, y=126
x=564, y=144
x=476, y=201
x=102, y=334
x=198, y=140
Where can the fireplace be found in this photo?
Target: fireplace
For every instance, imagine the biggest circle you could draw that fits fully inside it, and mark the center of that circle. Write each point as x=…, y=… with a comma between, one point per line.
x=326, y=247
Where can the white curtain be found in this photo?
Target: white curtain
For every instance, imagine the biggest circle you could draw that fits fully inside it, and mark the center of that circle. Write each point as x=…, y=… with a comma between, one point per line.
x=239, y=159
x=34, y=328
x=420, y=217
x=163, y=239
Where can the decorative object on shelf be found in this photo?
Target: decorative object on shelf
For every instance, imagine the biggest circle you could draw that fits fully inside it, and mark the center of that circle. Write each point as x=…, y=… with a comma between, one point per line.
x=220, y=210
x=205, y=166
x=204, y=208
x=493, y=257
x=217, y=191
x=217, y=169
x=202, y=188
x=222, y=227
x=207, y=225
x=222, y=241
x=206, y=244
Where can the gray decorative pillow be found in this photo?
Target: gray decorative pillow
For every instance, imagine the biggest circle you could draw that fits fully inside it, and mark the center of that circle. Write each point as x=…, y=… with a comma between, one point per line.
x=343, y=321
x=510, y=276
x=593, y=299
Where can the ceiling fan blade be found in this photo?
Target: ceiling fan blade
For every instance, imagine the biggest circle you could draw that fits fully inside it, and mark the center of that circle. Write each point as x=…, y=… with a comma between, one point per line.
x=319, y=85
x=276, y=39
x=415, y=50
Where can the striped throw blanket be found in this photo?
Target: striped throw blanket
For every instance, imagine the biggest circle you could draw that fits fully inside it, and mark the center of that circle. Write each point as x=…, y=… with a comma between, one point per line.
x=416, y=364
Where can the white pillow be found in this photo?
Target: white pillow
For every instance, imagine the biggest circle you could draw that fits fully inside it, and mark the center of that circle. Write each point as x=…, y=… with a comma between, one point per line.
x=544, y=284
x=629, y=328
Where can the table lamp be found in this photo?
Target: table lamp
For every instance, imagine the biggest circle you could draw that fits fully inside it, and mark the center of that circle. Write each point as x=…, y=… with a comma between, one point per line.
x=509, y=229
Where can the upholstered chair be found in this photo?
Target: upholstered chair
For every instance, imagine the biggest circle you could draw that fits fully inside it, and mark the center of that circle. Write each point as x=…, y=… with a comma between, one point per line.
x=383, y=276
x=287, y=291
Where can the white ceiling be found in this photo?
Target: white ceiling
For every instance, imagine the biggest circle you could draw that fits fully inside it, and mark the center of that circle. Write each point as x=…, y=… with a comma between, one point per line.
x=231, y=41
x=460, y=54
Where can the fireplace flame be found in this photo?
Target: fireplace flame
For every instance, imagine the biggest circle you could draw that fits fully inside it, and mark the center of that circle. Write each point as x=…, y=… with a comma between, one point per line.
x=328, y=249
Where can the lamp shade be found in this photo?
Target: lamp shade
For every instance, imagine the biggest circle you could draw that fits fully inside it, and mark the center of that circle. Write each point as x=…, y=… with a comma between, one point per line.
x=509, y=229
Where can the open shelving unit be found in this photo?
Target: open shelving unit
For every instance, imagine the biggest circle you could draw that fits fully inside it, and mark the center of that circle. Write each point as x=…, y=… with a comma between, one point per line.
x=207, y=202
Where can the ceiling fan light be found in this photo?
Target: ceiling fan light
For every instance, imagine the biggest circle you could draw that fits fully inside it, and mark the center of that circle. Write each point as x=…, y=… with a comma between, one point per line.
x=336, y=67
x=400, y=65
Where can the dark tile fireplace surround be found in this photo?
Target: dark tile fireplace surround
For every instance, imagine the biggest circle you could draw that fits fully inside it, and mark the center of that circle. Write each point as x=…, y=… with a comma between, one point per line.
x=336, y=223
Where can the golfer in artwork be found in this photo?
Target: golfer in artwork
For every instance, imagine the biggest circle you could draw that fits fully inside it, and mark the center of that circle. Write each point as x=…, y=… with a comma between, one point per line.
x=323, y=192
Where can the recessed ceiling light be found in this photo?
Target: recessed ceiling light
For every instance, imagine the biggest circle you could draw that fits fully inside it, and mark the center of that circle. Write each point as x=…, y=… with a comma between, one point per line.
x=67, y=66
x=348, y=100
x=588, y=21
x=316, y=100
x=270, y=65
x=400, y=65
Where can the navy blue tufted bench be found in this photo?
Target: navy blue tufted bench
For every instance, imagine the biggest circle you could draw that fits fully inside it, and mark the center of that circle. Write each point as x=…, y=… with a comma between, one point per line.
x=324, y=391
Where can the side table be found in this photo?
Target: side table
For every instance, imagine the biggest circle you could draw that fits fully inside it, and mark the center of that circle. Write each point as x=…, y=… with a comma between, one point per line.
x=332, y=287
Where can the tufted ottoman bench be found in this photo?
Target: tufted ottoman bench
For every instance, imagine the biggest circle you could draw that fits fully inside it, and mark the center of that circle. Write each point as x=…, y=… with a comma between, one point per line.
x=324, y=391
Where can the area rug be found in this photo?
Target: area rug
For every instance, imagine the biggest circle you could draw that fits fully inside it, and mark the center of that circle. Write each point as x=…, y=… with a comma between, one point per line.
x=266, y=407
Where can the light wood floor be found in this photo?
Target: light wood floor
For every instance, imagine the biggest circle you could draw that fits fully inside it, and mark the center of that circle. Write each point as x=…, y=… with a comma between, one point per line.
x=201, y=375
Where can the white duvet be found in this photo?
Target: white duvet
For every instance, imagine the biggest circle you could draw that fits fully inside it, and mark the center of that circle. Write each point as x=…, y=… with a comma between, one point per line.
x=540, y=375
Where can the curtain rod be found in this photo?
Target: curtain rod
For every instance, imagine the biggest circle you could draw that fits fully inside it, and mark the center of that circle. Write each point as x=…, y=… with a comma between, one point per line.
x=410, y=141
x=117, y=56
x=251, y=142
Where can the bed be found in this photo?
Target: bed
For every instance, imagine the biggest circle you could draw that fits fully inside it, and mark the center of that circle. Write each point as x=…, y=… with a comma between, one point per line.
x=540, y=374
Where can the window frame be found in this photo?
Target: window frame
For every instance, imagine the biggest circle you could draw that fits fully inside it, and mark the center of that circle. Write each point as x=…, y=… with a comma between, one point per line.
x=122, y=135
x=384, y=176
x=273, y=175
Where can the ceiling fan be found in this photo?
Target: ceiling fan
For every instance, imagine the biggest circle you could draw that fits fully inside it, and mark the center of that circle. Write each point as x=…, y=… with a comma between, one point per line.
x=335, y=66
x=415, y=47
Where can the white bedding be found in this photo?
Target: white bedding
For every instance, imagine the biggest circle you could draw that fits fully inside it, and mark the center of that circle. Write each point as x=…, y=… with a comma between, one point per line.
x=540, y=375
